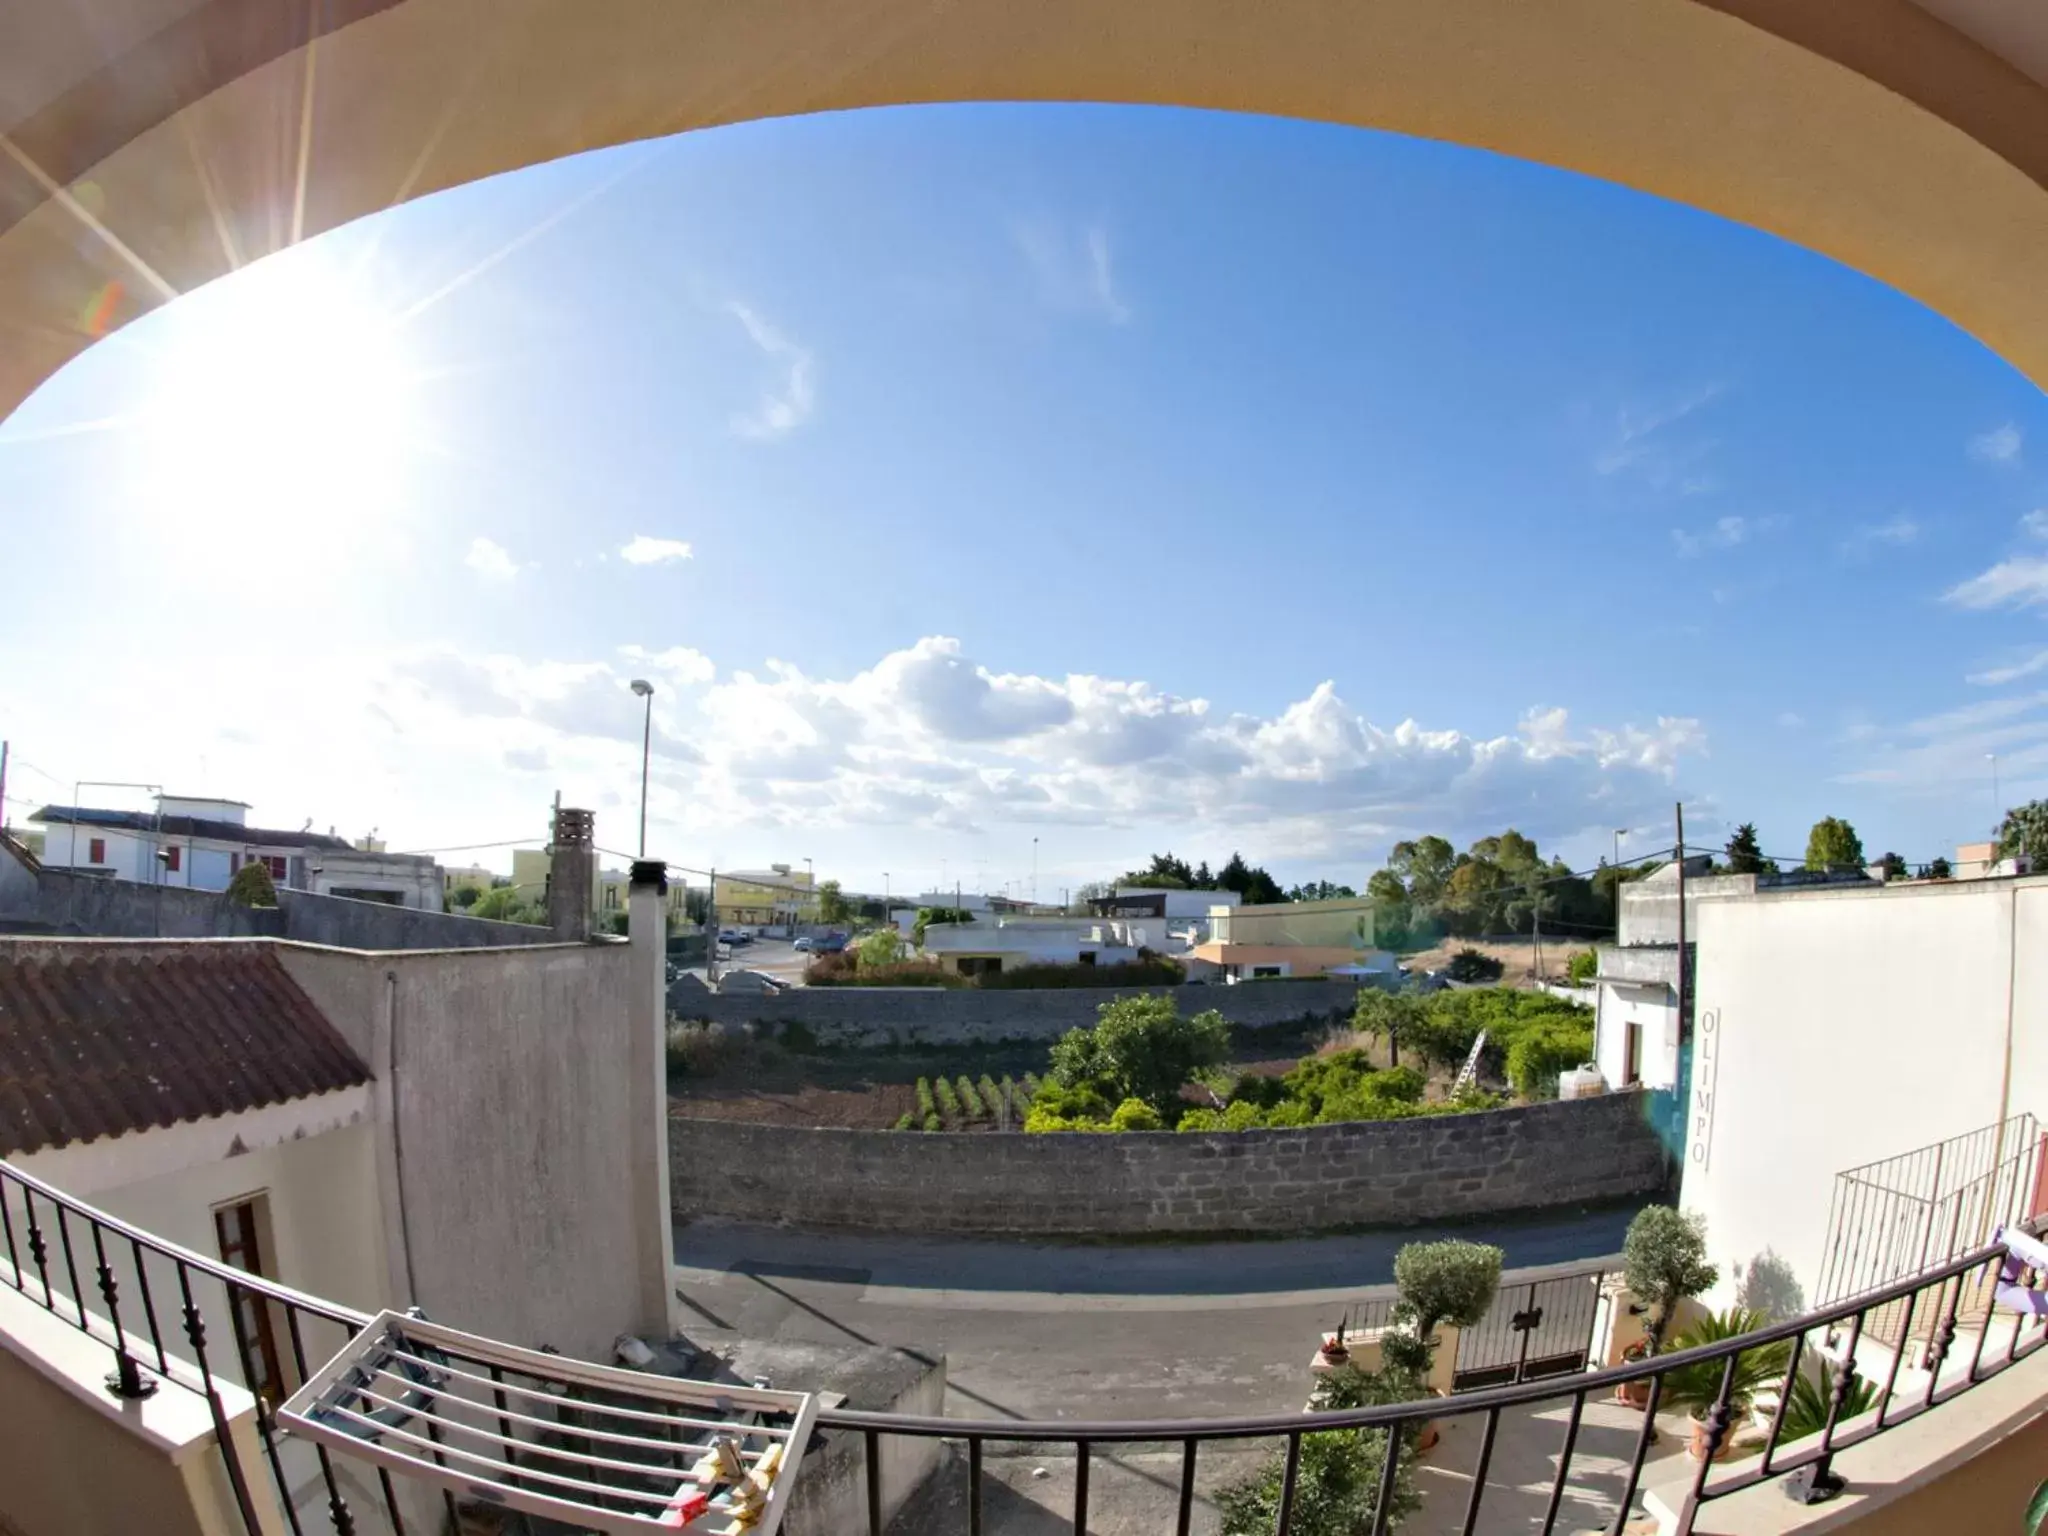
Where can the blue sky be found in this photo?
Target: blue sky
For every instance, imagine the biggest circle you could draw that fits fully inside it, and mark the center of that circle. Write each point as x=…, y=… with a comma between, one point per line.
x=1125, y=478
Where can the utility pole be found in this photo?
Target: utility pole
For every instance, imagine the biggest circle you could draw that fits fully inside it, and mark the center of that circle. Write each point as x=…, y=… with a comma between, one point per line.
x=3, y=788
x=1684, y=1015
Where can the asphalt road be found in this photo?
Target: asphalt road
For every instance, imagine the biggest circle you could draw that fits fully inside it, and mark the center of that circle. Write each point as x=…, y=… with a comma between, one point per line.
x=1051, y=1331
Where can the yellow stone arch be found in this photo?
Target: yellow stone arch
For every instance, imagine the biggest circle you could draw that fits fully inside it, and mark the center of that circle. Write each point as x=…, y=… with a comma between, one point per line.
x=148, y=146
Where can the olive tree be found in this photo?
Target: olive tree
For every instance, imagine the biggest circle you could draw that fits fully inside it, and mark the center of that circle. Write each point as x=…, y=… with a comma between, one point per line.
x=1664, y=1260
x=1448, y=1282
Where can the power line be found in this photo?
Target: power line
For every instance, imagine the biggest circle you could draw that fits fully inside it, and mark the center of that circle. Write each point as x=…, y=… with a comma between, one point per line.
x=510, y=842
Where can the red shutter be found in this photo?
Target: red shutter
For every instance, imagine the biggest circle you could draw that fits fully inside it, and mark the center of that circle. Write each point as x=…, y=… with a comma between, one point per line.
x=172, y=862
x=96, y=851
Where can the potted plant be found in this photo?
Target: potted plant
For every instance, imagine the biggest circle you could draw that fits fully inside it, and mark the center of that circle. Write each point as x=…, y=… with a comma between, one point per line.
x=1664, y=1260
x=1697, y=1387
x=1449, y=1282
x=1811, y=1398
x=1338, y=1482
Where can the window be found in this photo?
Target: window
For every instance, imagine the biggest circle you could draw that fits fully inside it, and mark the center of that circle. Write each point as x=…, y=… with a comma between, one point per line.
x=1267, y=970
x=172, y=856
x=96, y=851
x=275, y=865
x=239, y=1230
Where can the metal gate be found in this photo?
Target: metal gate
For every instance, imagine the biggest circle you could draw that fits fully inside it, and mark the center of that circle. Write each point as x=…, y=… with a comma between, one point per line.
x=1534, y=1328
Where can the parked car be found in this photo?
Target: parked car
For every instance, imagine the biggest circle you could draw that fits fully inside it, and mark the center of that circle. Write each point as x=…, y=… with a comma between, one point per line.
x=830, y=944
x=803, y=946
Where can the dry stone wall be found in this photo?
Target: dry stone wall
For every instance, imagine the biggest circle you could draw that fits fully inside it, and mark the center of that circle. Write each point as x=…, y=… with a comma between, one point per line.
x=1320, y=1178
x=865, y=1018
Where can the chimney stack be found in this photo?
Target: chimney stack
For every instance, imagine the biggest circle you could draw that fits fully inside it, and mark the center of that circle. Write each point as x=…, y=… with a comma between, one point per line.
x=572, y=875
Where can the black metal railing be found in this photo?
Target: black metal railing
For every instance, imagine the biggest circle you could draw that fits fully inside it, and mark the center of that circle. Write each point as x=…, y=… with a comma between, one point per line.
x=1893, y=1218
x=53, y=1242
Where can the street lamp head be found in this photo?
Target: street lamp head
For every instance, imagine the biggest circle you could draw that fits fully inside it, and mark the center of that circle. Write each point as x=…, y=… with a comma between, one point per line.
x=643, y=687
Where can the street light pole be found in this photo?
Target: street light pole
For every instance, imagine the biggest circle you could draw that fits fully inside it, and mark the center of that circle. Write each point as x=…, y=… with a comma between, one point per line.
x=646, y=691
x=1995, y=819
x=1034, y=871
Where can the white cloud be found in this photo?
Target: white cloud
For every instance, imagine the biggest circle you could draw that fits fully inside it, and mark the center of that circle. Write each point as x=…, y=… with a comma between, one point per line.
x=1895, y=532
x=927, y=737
x=2019, y=582
x=1723, y=533
x=2035, y=523
x=1646, y=444
x=1074, y=270
x=1931, y=756
x=1791, y=720
x=491, y=561
x=681, y=666
x=2012, y=672
x=2001, y=445
x=645, y=549
x=1102, y=278
x=788, y=405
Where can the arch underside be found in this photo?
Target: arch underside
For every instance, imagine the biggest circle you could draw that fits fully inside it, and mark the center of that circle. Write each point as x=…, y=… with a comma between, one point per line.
x=153, y=145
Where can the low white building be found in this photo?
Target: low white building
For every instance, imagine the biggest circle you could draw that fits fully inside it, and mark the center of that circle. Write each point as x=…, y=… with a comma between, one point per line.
x=1005, y=943
x=1637, y=1035
x=201, y=843
x=1187, y=916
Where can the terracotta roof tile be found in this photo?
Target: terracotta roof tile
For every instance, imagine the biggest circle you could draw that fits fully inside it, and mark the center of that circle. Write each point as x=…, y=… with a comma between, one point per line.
x=98, y=1040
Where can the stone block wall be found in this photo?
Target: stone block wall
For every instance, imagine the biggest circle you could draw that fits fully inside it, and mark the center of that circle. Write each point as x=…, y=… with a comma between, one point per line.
x=1319, y=1178
x=868, y=1017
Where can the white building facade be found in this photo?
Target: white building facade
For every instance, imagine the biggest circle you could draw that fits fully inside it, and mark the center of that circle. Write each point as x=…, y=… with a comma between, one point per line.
x=201, y=843
x=1836, y=1028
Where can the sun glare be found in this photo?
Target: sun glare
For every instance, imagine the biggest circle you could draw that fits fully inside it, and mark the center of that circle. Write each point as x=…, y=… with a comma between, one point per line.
x=281, y=418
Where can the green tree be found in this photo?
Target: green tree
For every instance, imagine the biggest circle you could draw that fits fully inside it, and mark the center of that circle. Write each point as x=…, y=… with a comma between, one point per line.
x=833, y=906
x=2025, y=831
x=1424, y=866
x=1448, y=1282
x=1473, y=965
x=1337, y=1487
x=1664, y=1260
x=251, y=885
x=1140, y=1048
x=882, y=947
x=1938, y=869
x=1744, y=856
x=1393, y=916
x=1893, y=865
x=1833, y=844
x=1388, y=1016
x=1582, y=968
x=1165, y=872
x=1254, y=885
x=1320, y=890
x=504, y=904
x=926, y=916
x=463, y=897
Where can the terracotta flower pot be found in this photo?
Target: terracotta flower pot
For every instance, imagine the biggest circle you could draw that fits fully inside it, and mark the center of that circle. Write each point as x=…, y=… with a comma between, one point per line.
x=1698, y=1448
x=1633, y=1394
